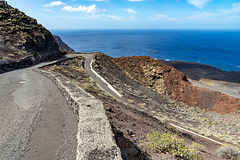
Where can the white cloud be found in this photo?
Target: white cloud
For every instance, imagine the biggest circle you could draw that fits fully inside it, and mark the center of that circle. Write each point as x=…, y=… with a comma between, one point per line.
x=135, y=0
x=202, y=16
x=117, y=18
x=49, y=10
x=102, y=17
x=129, y=10
x=198, y=3
x=101, y=1
x=54, y=3
x=162, y=17
x=235, y=9
x=226, y=14
x=86, y=9
x=113, y=17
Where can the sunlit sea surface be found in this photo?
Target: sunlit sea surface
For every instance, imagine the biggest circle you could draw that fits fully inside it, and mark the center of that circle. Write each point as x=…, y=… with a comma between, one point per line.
x=218, y=48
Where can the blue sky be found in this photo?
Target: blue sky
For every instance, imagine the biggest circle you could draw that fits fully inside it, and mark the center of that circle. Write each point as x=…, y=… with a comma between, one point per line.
x=133, y=14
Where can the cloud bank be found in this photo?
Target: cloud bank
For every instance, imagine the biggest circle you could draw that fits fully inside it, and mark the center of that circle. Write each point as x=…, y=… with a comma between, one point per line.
x=86, y=9
x=129, y=10
x=198, y=3
x=54, y=3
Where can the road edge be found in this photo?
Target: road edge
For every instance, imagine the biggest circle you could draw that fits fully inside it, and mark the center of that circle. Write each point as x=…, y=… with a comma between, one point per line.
x=95, y=137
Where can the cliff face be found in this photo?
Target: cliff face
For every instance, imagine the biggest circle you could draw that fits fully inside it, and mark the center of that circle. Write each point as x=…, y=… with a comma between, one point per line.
x=157, y=76
x=172, y=83
x=63, y=46
x=21, y=36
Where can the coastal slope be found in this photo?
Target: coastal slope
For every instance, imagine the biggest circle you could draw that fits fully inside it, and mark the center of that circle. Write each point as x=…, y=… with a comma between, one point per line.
x=197, y=71
x=170, y=83
x=63, y=46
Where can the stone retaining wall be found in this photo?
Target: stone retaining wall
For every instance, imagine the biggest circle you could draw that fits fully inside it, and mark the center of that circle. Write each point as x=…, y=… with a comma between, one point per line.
x=95, y=137
x=9, y=65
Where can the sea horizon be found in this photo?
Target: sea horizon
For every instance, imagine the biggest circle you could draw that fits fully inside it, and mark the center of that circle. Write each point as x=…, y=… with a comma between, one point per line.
x=217, y=48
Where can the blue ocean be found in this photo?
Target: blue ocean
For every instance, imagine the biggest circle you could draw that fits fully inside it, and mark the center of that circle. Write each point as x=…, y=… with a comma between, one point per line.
x=218, y=48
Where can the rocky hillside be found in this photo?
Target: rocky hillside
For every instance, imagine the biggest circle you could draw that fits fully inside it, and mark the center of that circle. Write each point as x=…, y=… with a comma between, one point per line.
x=172, y=83
x=21, y=36
x=63, y=46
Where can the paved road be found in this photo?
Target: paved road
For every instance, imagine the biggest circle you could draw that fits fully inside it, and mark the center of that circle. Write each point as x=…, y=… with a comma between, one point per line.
x=99, y=80
x=31, y=104
x=103, y=85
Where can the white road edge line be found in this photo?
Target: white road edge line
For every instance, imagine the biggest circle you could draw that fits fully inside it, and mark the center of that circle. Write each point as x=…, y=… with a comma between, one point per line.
x=196, y=134
x=169, y=123
x=102, y=79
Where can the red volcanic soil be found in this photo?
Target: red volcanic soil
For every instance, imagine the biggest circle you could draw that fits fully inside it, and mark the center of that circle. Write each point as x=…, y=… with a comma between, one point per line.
x=172, y=83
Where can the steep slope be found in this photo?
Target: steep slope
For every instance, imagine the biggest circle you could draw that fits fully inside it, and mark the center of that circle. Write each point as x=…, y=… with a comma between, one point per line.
x=172, y=83
x=21, y=36
x=63, y=46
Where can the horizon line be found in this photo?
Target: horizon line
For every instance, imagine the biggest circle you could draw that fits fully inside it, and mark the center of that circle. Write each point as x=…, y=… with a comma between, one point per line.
x=144, y=29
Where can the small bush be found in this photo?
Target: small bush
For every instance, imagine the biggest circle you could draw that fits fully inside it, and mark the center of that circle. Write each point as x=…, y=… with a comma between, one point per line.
x=56, y=68
x=131, y=101
x=171, y=143
x=90, y=87
x=229, y=152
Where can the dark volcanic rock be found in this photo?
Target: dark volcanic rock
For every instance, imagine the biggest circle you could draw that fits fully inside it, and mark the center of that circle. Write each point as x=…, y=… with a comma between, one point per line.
x=63, y=46
x=197, y=71
x=21, y=36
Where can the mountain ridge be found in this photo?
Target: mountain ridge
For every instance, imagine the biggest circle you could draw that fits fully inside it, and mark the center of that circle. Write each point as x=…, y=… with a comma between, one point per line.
x=21, y=36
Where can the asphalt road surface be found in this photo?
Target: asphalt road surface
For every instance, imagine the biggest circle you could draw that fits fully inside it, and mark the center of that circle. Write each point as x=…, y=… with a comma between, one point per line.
x=99, y=80
x=36, y=121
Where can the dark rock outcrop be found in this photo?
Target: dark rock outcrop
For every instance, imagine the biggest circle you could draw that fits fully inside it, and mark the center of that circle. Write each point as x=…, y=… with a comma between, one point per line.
x=196, y=71
x=21, y=36
x=63, y=46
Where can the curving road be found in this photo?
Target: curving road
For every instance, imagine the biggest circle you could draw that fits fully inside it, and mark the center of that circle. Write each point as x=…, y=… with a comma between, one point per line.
x=110, y=90
x=35, y=118
x=102, y=83
x=32, y=106
x=36, y=121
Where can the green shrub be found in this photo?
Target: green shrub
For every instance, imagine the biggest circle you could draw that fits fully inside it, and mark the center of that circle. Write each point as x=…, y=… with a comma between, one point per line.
x=56, y=68
x=171, y=143
x=229, y=152
x=90, y=87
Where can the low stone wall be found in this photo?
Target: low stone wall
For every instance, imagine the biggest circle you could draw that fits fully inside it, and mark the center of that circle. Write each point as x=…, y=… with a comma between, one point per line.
x=95, y=137
x=9, y=65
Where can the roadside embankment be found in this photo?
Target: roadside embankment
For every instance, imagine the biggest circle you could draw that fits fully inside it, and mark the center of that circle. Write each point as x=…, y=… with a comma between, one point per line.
x=95, y=137
x=8, y=65
x=208, y=123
